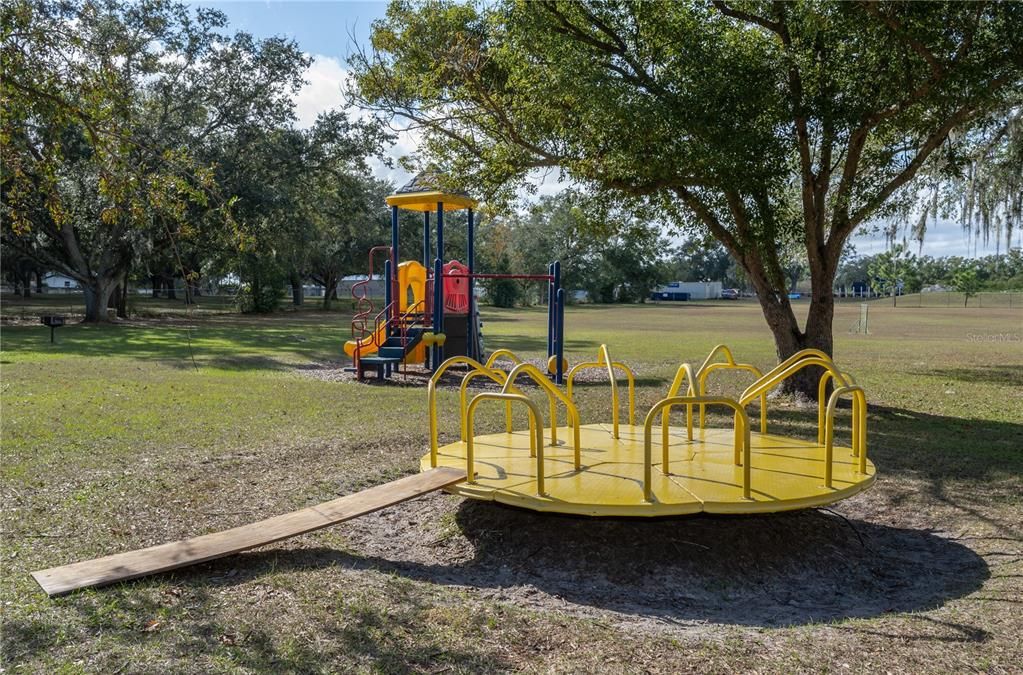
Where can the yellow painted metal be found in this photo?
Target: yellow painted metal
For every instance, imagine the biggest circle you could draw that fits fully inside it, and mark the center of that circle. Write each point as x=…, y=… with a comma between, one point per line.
x=822, y=388
x=553, y=393
x=682, y=375
x=859, y=428
x=741, y=451
x=702, y=379
x=536, y=434
x=431, y=395
x=493, y=374
x=605, y=363
x=718, y=349
x=609, y=472
x=502, y=354
x=777, y=375
x=427, y=201
x=786, y=474
x=552, y=365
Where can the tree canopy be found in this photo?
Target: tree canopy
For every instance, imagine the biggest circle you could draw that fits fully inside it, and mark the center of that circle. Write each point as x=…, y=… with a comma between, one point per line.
x=764, y=124
x=148, y=136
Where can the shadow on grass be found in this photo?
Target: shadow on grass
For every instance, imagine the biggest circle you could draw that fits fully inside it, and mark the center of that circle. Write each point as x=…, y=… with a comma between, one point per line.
x=1002, y=374
x=230, y=345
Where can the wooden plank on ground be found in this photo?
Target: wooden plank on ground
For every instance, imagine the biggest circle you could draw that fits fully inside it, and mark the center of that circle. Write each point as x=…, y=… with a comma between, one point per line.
x=134, y=564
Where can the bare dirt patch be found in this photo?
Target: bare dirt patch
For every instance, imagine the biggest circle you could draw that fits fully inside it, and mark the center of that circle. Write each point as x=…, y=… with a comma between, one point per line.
x=678, y=573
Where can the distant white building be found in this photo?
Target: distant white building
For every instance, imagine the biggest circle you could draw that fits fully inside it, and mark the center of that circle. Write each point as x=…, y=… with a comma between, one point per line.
x=58, y=282
x=374, y=289
x=687, y=290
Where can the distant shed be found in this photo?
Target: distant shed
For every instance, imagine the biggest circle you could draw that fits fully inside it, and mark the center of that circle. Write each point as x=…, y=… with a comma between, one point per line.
x=680, y=291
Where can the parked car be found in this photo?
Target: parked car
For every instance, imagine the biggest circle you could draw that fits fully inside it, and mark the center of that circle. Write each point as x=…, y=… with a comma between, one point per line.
x=730, y=294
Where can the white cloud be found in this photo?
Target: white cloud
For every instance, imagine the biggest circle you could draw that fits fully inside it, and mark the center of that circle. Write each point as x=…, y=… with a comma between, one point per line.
x=325, y=79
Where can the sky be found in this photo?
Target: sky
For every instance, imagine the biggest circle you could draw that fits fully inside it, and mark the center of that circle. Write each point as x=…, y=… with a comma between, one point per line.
x=329, y=31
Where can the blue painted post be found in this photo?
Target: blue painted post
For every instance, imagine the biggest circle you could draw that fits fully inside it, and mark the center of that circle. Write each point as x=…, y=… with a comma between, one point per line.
x=556, y=341
x=559, y=378
x=550, y=311
x=440, y=230
x=439, y=283
x=426, y=264
x=393, y=280
x=438, y=309
x=426, y=239
x=470, y=262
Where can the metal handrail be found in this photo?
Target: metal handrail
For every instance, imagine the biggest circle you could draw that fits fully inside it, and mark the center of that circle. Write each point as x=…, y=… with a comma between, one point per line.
x=618, y=365
x=431, y=396
x=503, y=353
x=742, y=439
x=798, y=356
x=822, y=387
x=718, y=349
x=606, y=362
x=859, y=429
x=553, y=393
x=731, y=365
x=372, y=335
x=777, y=375
x=683, y=374
x=536, y=434
x=498, y=376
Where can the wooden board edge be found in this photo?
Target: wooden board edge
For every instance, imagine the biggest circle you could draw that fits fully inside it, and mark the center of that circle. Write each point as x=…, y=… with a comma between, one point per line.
x=454, y=476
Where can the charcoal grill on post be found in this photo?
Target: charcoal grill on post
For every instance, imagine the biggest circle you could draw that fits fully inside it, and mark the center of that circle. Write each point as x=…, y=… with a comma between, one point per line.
x=54, y=321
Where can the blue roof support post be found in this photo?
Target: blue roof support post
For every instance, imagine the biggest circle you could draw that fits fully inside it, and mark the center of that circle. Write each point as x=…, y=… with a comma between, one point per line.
x=440, y=231
x=550, y=311
x=438, y=310
x=559, y=377
x=393, y=279
x=556, y=332
x=426, y=239
x=426, y=264
x=438, y=285
x=470, y=255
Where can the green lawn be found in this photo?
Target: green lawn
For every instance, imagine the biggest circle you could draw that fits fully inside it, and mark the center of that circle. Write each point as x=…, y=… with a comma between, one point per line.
x=180, y=423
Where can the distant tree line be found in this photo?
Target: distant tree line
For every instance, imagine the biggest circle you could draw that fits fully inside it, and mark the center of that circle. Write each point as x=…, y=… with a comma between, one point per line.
x=145, y=143
x=900, y=271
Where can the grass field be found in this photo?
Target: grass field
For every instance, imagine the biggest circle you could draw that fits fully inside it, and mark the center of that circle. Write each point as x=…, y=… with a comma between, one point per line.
x=124, y=436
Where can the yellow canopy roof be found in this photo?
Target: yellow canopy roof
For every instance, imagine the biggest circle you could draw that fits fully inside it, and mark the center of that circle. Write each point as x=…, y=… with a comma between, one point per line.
x=427, y=201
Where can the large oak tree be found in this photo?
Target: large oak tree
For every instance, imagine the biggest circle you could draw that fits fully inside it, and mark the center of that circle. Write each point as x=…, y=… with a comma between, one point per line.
x=767, y=124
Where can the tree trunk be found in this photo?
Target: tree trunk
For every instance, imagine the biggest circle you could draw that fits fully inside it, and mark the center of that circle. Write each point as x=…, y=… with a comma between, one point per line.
x=39, y=281
x=26, y=285
x=121, y=296
x=297, y=292
x=170, y=285
x=329, y=290
x=788, y=337
x=155, y=278
x=97, y=299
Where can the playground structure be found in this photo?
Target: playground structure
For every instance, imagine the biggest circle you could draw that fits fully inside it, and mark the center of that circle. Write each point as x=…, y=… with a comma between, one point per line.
x=610, y=468
x=430, y=308
x=595, y=469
